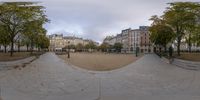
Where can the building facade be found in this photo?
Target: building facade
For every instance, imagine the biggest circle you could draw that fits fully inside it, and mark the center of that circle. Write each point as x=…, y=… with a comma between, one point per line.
x=134, y=39
x=125, y=36
x=145, y=43
x=131, y=39
x=58, y=41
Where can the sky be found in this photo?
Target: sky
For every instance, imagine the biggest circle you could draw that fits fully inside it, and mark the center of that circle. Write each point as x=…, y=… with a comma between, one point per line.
x=96, y=19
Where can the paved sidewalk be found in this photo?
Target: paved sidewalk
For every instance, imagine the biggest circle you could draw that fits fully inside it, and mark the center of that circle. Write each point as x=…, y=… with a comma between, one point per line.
x=50, y=78
x=10, y=64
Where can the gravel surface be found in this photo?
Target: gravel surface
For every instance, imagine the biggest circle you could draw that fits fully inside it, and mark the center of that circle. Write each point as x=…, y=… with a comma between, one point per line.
x=99, y=61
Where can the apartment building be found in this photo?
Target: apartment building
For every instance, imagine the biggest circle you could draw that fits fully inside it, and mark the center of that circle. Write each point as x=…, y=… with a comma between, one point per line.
x=134, y=39
x=145, y=43
x=58, y=41
x=111, y=40
x=125, y=34
x=131, y=39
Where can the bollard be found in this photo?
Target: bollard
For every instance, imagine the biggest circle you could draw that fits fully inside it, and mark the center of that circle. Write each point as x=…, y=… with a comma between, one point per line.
x=0, y=94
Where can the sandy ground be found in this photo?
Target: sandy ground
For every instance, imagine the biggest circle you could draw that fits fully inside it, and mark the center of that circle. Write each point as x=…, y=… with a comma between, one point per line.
x=16, y=56
x=99, y=61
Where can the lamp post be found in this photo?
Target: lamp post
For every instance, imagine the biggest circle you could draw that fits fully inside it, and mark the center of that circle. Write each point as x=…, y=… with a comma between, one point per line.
x=68, y=55
x=136, y=51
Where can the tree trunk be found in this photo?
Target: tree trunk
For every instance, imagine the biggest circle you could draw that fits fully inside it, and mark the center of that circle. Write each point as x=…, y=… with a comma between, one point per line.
x=189, y=43
x=160, y=50
x=12, y=47
x=178, y=46
x=165, y=48
x=5, y=48
x=27, y=47
x=18, y=48
x=31, y=47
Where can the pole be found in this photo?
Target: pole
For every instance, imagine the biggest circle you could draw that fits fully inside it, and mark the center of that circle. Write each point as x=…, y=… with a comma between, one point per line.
x=136, y=51
x=0, y=94
x=68, y=50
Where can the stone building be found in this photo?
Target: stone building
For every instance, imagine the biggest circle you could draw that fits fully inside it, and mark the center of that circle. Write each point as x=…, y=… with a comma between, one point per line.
x=134, y=39
x=111, y=40
x=131, y=39
x=145, y=43
x=125, y=39
x=58, y=41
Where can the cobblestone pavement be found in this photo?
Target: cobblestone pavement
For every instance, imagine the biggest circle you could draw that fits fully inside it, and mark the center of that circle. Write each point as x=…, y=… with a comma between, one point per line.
x=50, y=78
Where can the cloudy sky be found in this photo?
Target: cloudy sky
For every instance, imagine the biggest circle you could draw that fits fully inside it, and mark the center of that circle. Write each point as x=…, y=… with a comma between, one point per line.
x=96, y=19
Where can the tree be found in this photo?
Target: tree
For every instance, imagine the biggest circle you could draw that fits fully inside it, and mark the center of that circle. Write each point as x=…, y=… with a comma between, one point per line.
x=26, y=41
x=156, y=20
x=196, y=37
x=43, y=42
x=118, y=47
x=90, y=45
x=34, y=31
x=4, y=37
x=79, y=47
x=104, y=47
x=18, y=41
x=180, y=16
x=72, y=46
x=161, y=34
x=15, y=16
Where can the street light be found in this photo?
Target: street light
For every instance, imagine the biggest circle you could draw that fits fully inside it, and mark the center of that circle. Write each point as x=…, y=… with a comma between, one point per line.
x=68, y=50
x=136, y=51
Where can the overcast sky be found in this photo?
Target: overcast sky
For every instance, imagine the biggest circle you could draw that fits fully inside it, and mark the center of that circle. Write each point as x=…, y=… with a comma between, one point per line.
x=96, y=19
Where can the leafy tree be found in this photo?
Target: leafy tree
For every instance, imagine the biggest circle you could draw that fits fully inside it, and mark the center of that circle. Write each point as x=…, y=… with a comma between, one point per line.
x=15, y=16
x=196, y=37
x=43, y=42
x=26, y=42
x=18, y=41
x=72, y=46
x=79, y=47
x=104, y=47
x=180, y=16
x=156, y=20
x=4, y=38
x=161, y=34
x=34, y=31
x=118, y=47
x=90, y=45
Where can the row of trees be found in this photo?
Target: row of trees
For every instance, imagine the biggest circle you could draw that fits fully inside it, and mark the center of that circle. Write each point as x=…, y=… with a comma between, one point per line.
x=80, y=47
x=104, y=47
x=21, y=23
x=181, y=20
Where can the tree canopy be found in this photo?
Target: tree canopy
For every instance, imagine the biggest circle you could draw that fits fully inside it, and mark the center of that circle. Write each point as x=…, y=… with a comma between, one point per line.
x=118, y=47
x=22, y=18
x=183, y=19
x=161, y=34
